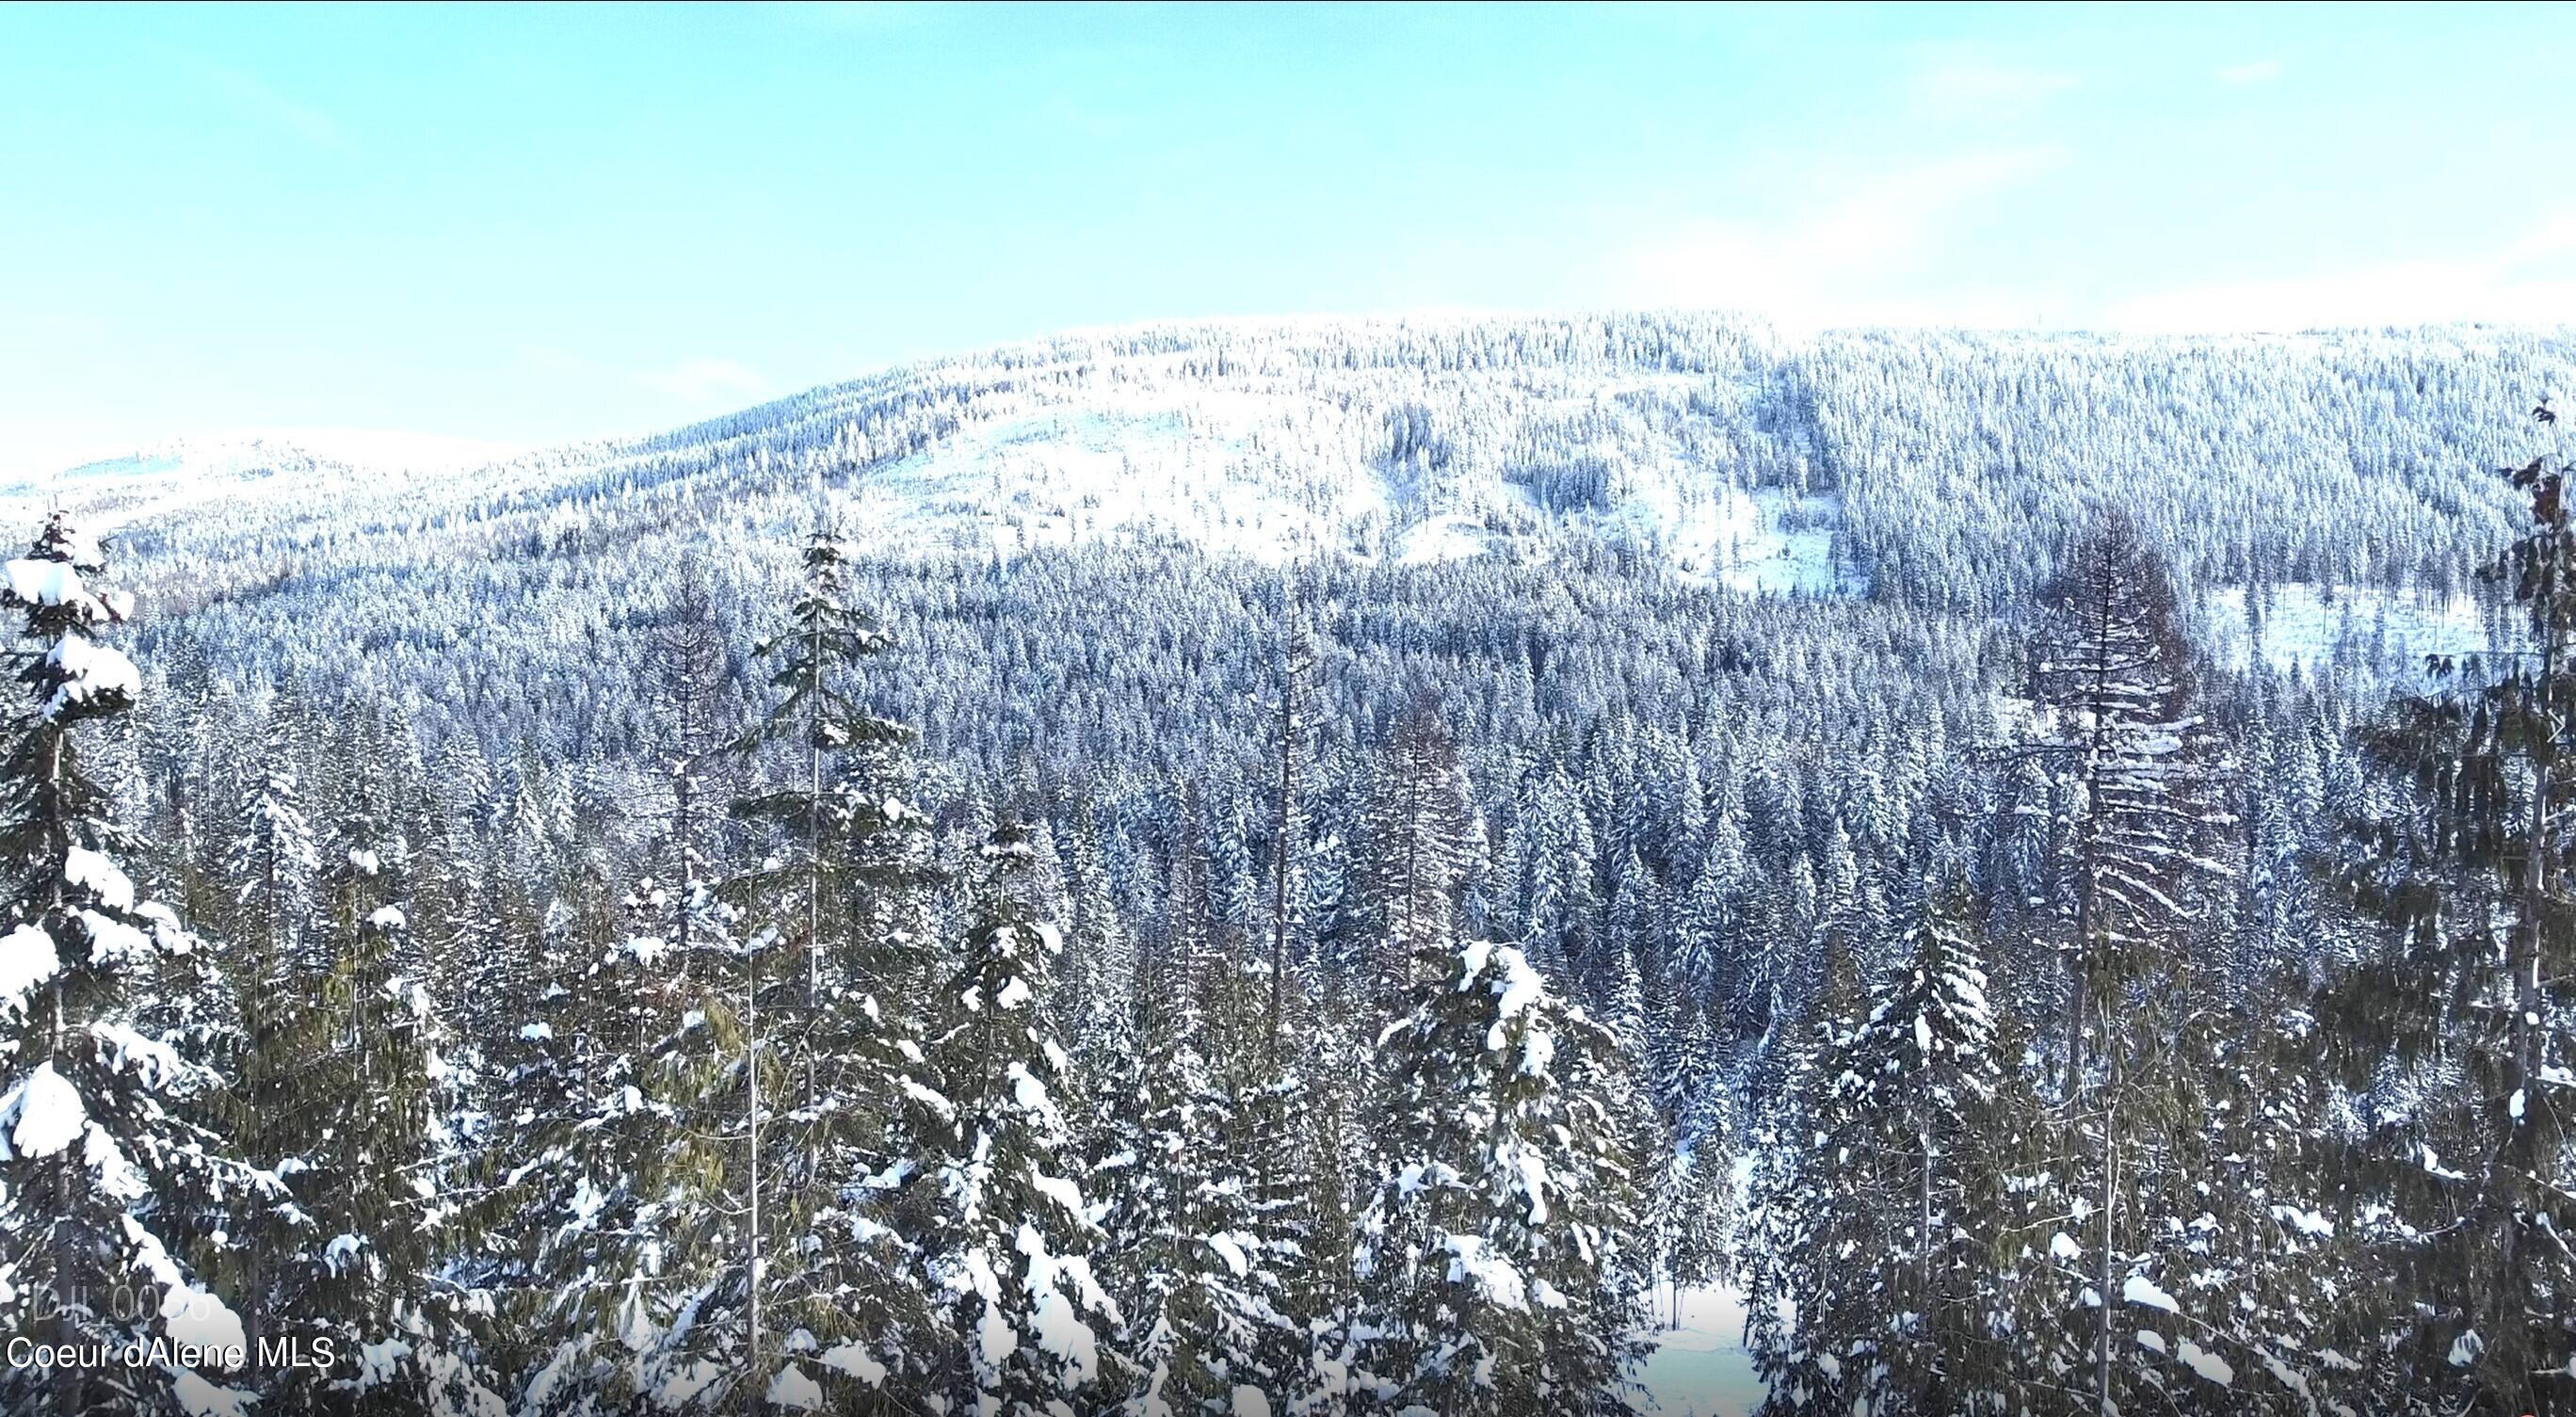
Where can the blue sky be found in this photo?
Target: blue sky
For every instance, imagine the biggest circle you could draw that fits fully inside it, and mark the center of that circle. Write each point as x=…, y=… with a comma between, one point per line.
x=532, y=224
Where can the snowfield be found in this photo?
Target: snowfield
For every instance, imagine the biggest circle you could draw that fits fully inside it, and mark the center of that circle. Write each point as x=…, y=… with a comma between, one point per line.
x=1701, y=1369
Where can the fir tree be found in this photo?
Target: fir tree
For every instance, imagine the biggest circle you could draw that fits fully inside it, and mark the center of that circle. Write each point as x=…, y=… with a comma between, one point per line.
x=1003, y=1225
x=1868, y=1250
x=1495, y=1255
x=106, y=1172
x=2459, y=1030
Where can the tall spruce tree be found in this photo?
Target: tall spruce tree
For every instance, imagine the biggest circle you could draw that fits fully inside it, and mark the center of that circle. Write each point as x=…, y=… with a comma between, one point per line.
x=1499, y=1255
x=2137, y=772
x=1874, y=1255
x=2458, y=1030
x=1001, y=1221
x=108, y=1171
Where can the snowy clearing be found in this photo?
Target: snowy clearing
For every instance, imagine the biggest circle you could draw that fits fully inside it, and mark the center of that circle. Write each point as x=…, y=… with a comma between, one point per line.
x=1701, y=1368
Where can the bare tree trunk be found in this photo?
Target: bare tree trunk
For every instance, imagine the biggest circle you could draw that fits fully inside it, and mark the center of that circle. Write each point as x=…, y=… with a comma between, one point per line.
x=754, y=1395
x=2102, y=1281
x=1923, y=1220
x=1283, y=828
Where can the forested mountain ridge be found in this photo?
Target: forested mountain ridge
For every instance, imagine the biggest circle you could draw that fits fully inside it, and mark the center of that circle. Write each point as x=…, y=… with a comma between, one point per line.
x=2327, y=457
x=795, y=938
x=1932, y=471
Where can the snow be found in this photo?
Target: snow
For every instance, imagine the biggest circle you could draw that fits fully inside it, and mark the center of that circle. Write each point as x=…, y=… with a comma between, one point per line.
x=90, y=670
x=94, y=873
x=380, y=1363
x=191, y=1315
x=1063, y=1192
x=1248, y=1401
x=1471, y=1259
x=1766, y=542
x=2151, y=1340
x=112, y=941
x=792, y=1387
x=45, y=1111
x=386, y=918
x=49, y=582
x=1029, y=1092
x=27, y=959
x=1061, y=1331
x=1700, y=1369
x=1444, y=538
x=2209, y=1365
x=157, y=1062
x=937, y=1102
x=681, y=1385
x=855, y=1360
x=1014, y=994
x=1923, y=1035
x=1236, y=1262
x=1131, y=462
x=2306, y=1222
x=200, y=1398
x=2062, y=1246
x=2142, y=1291
x=341, y=1252
x=536, y=1032
x=2309, y=626
x=1521, y=987
x=1532, y=1167
x=995, y=1339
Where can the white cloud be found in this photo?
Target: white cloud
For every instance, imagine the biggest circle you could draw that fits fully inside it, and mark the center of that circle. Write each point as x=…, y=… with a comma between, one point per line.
x=1838, y=264
x=2261, y=71
x=252, y=98
x=1967, y=86
x=2529, y=281
x=699, y=381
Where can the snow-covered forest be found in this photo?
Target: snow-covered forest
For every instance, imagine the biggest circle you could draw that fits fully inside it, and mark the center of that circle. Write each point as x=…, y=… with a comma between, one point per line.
x=1321, y=868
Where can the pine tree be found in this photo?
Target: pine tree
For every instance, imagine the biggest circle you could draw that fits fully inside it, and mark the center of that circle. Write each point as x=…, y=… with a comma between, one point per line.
x=276, y=974
x=801, y=1066
x=688, y=666
x=2115, y=721
x=806, y=889
x=1497, y=1254
x=372, y=1183
x=1559, y=868
x=1003, y=1225
x=106, y=1171
x=1407, y=880
x=1181, y=1258
x=1868, y=1252
x=2459, y=1031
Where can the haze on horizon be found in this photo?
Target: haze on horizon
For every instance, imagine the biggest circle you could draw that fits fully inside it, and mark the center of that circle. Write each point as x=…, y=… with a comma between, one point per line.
x=530, y=225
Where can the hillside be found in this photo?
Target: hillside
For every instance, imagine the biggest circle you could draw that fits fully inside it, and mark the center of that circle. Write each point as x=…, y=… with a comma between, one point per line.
x=1692, y=661
x=2345, y=456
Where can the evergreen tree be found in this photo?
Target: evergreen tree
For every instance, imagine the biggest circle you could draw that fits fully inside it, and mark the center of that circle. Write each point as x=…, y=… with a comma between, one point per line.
x=107, y=1172
x=1870, y=1254
x=1407, y=881
x=272, y=1097
x=1495, y=1256
x=1004, y=1227
x=372, y=1182
x=2458, y=1032
x=2115, y=720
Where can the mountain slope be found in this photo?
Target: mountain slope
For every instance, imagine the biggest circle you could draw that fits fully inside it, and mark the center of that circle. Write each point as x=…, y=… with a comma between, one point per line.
x=1941, y=472
x=2338, y=456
